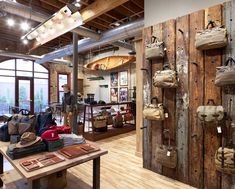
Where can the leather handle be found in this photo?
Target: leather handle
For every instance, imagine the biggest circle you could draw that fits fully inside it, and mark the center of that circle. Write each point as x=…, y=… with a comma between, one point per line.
x=212, y=23
x=156, y=100
x=166, y=67
x=229, y=62
x=211, y=101
x=167, y=131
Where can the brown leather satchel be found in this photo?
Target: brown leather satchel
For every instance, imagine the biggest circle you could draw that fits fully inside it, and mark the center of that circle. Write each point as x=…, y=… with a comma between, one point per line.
x=225, y=75
x=210, y=112
x=215, y=37
x=165, y=78
x=100, y=121
x=155, y=49
x=166, y=155
x=118, y=120
x=154, y=111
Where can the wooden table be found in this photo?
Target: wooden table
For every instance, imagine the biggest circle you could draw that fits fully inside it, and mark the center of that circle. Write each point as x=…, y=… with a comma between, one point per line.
x=33, y=177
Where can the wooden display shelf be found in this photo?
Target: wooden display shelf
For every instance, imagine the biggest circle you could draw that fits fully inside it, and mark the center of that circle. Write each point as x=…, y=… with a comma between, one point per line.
x=94, y=136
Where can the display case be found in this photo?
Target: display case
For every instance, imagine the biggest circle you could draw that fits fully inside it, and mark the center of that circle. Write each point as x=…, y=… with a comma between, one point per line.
x=106, y=120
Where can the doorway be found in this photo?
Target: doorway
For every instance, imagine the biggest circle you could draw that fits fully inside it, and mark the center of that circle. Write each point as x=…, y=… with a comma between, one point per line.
x=24, y=93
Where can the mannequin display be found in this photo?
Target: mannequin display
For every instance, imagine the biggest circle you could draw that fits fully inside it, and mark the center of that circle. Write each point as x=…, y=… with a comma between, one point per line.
x=68, y=105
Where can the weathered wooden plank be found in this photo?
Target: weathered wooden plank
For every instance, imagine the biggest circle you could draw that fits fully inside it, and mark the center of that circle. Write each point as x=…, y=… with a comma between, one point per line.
x=182, y=96
x=147, y=133
x=228, y=181
x=196, y=94
x=169, y=94
x=156, y=125
x=212, y=141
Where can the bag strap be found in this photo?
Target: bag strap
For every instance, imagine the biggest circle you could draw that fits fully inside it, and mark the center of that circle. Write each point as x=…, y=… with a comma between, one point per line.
x=167, y=131
x=166, y=67
x=212, y=23
x=211, y=102
x=156, y=100
x=229, y=62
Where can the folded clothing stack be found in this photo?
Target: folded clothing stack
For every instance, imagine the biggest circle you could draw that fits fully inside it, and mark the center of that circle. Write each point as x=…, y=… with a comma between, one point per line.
x=71, y=139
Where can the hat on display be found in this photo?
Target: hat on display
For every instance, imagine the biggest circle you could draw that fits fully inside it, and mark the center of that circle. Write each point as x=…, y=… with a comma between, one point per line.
x=65, y=86
x=50, y=135
x=27, y=139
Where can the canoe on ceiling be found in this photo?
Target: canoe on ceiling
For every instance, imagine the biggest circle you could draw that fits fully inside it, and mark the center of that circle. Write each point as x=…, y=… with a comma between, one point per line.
x=109, y=63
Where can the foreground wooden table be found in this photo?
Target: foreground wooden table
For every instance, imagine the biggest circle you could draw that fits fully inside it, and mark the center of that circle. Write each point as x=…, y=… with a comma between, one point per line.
x=33, y=177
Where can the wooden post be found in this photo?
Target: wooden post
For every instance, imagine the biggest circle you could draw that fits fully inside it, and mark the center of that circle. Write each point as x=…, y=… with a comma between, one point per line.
x=139, y=96
x=182, y=96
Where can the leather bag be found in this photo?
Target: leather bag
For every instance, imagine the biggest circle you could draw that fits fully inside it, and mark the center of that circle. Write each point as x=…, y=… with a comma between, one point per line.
x=166, y=155
x=100, y=124
x=154, y=111
x=165, y=78
x=225, y=75
x=210, y=112
x=4, y=135
x=215, y=37
x=108, y=116
x=118, y=120
x=155, y=49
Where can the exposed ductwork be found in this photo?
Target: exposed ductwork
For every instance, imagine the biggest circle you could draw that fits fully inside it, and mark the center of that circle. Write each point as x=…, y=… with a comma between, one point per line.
x=124, y=31
x=27, y=12
x=30, y=57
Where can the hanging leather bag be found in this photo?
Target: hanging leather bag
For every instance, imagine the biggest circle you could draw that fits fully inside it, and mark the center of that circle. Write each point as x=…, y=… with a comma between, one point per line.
x=211, y=38
x=166, y=155
x=165, y=78
x=210, y=112
x=154, y=111
x=155, y=49
x=225, y=75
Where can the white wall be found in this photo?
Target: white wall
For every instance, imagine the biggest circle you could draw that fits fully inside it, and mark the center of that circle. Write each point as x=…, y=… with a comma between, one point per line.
x=157, y=11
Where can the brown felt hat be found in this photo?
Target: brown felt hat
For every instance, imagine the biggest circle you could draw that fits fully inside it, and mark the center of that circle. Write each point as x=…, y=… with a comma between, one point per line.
x=27, y=139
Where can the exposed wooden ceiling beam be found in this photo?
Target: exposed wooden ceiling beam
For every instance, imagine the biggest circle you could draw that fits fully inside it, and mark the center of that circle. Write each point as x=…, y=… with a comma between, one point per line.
x=99, y=7
x=137, y=4
x=98, y=23
x=128, y=9
x=53, y=3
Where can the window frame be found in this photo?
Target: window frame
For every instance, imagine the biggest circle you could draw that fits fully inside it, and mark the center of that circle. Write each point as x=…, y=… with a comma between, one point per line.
x=58, y=83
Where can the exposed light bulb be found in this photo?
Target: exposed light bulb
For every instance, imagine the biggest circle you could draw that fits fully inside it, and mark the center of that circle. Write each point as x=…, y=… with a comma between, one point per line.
x=42, y=28
x=50, y=23
x=60, y=26
x=60, y=16
x=25, y=41
x=52, y=31
x=77, y=4
x=78, y=1
x=10, y=22
x=24, y=26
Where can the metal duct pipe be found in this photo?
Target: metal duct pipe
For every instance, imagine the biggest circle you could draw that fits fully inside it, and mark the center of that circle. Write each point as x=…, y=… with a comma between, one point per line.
x=124, y=31
x=26, y=12
x=30, y=57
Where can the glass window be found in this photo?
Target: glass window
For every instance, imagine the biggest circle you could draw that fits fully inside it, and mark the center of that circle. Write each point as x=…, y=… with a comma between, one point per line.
x=24, y=94
x=40, y=94
x=41, y=75
x=63, y=79
x=9, y=64
x=25, y=65
x=39, y=68
x=7, y=72
x=7, y=96
x=25, y=74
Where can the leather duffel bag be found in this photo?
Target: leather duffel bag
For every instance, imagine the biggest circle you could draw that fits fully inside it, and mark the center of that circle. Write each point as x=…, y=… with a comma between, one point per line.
x=165, y=78
x=225, y=75
x=215, y=37
x=154, y=111
x=210, y=112
x=155, y=49
x=225, y=160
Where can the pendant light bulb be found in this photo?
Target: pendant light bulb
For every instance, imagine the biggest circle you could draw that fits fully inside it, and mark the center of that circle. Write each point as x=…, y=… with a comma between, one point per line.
x=10, y=22
x=24, y=26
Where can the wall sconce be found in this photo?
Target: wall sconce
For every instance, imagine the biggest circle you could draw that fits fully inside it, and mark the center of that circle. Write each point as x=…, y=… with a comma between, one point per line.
x=63, y=21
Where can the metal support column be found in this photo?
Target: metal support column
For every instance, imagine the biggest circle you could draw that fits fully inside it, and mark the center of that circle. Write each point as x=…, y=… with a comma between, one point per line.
x=75, y=79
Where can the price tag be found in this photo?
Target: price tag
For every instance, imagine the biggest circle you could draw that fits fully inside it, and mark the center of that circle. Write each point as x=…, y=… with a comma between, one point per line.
x=168, y=153
x=219, y=130
x=166, y=115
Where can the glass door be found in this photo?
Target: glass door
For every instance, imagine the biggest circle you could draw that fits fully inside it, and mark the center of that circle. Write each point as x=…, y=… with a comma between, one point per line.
x=24, y=93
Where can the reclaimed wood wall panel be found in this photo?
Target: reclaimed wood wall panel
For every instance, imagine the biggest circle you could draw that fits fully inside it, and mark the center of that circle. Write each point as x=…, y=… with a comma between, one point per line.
x=196, y=97
x=212, y=140
x=182, y=95
x=196, y=143
x=169, y=95
x=156, y=125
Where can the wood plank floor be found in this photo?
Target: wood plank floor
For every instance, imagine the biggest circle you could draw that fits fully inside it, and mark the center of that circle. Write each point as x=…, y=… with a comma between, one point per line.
x=120, y=169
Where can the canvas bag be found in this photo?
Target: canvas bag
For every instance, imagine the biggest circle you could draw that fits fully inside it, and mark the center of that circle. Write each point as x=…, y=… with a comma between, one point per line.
x=165, y=78
x=225, y=75
x=155, y=49
x=154, y=111
x=210, y=112
x=166, y=155
x=215, y=37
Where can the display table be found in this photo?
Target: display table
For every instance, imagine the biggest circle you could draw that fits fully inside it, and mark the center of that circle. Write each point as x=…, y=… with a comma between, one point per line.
x=33, y=177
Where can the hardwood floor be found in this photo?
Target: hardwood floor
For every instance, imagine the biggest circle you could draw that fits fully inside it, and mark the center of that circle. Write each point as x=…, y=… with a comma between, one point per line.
x=120, y=169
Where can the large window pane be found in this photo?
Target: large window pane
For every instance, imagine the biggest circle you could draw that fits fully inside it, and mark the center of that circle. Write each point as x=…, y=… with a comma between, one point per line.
x=40, y=94
x=39, y=68
x=41, y=75
x=26, y=65
x=25, y=74
x=24, y=94
x=9, y=64
x=7, y=72
x=7, y=94
x=63, y=79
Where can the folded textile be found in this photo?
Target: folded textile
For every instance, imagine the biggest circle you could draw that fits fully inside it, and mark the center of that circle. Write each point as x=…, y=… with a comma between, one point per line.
x=70, y=139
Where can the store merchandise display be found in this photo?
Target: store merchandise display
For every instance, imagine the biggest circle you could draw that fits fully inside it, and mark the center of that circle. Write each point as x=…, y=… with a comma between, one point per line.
x=71, y=139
